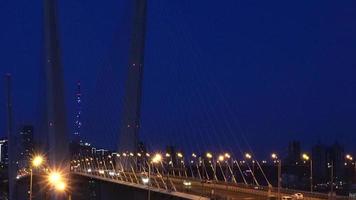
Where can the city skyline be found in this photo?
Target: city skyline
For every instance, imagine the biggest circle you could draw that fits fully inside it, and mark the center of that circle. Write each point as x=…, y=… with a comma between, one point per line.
x=279, y=80
x=143, y=99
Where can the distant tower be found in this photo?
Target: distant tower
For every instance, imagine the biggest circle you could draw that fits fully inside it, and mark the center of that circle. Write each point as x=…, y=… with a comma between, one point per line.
x=78, y=122
x=129, y=138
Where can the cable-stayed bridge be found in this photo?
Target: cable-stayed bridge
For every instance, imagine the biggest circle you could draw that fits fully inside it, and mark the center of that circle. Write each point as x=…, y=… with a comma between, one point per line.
x=131, y=171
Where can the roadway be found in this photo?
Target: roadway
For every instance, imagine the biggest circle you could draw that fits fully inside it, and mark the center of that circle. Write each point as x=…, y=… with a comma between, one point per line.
x=197, y=189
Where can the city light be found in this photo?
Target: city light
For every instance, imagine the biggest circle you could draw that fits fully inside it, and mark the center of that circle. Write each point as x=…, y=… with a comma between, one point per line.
x=168, y=155
x=157, y=158
x=248, y=156
x=305, y=156
x=221, y=158
x=60, y=186
x=227, y=155
x=145, y=180
x=54, y=178
x=180, y=155
x=209, y=155
x=349, y=157
x=37, y=161
x=274, y=156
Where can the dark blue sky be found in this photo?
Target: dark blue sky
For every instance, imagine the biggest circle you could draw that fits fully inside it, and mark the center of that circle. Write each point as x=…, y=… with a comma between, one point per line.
x=271, y=71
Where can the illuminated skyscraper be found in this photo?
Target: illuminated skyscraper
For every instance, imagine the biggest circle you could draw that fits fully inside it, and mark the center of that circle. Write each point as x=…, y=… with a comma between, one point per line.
x=4, y=158
x=26, y=143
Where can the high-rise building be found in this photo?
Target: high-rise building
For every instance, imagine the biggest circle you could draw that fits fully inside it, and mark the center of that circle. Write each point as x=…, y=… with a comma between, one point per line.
x=294, y=152
x=320, y=166
x=26, y=144
x=4, y=158
x=336, y=157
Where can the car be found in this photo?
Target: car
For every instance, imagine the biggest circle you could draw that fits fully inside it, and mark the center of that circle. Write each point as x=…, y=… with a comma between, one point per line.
x=287, y=198
x=187, y=183
x=298, y=196
x=206, y=181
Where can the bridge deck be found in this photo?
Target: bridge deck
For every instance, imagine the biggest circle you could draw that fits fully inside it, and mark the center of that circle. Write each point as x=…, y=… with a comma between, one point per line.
x=144, y=187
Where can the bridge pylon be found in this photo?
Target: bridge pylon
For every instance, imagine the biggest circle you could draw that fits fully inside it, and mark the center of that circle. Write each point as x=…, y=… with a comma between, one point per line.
x=55, y=131
x=130, y=125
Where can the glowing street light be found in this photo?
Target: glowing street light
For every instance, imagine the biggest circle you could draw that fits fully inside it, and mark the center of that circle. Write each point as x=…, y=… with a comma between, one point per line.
x=305, y=157
x=60, y=186
x=227, y=155
x=37, y=161
x=56, y=181
x=221, y=158
x=180, y=155
x=54, y=178
x=349, y=157
x=157, y=158
x=274, y=156
x=248, y=156
x=209, y=155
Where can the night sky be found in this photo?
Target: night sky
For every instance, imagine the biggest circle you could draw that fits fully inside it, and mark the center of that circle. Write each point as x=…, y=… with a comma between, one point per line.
x=218, y=74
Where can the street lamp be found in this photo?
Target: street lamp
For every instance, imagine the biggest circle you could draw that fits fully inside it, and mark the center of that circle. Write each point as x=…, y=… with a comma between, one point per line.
x=350, y=158
x=60, y=186
x=57, y=182
x=331, y=166
x=227, y=155
x=157, y=158
x=306, y=157
x=275, y=157
x=221, y=158
x=248, y=156
x=55, y=177
x=36, y=162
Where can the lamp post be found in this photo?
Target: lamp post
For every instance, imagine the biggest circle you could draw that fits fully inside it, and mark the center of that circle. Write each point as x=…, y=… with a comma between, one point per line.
x=350, y=158
x=36, y=162
x=157, y=158
x=248, y=156
x=307, y=158
x=331, y=166
x=275, y=158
